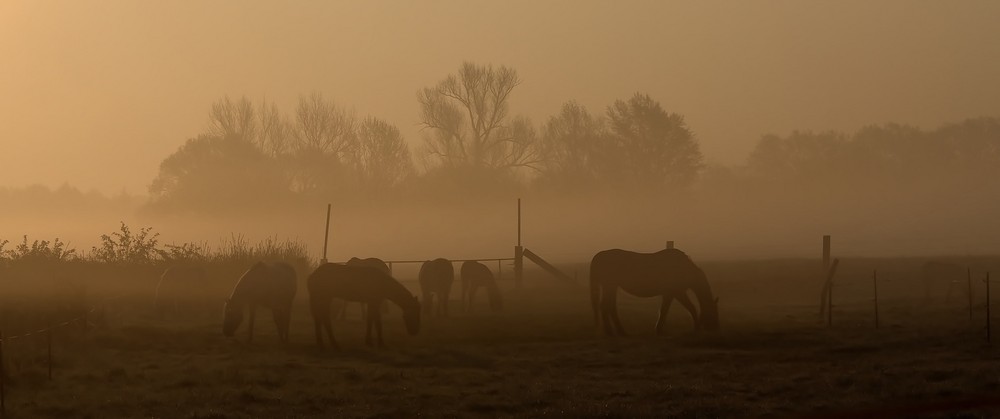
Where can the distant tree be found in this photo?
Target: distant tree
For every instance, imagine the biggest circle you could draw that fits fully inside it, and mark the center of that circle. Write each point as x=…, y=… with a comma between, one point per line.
x=233, y=119
x=324, y=135
x=467, y=120
x=650, y=146
x=571, y=143
x=381, y=157
x=801, y=156
x=210, y=172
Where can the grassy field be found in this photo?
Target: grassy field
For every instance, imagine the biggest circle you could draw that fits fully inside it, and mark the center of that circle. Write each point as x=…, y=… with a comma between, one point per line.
x=541, y=357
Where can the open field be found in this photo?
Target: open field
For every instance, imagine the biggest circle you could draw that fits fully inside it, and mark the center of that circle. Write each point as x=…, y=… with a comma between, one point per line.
x=541, y=357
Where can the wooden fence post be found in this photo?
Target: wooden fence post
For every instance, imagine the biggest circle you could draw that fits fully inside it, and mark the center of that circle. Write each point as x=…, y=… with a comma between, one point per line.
x=326, y=234
x=875, y=287
x=826, y=252
x=518, y=251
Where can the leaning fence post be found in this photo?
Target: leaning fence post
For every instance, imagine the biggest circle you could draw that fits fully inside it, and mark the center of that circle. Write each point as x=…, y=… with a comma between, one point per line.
x=875, y=287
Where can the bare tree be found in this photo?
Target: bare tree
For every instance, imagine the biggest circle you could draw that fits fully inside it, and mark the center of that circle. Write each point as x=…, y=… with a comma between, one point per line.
x=381, y=157
x=233, y=119
x=571, y=145
x=274, y=131
x=467, y=116
x=322, y=127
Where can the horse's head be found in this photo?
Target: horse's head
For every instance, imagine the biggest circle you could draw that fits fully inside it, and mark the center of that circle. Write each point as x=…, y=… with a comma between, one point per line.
x=709, y=319
x=233, y=316
x=411, y=315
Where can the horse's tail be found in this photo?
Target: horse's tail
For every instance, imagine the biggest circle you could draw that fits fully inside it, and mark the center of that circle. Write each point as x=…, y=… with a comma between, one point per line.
x=595, y=297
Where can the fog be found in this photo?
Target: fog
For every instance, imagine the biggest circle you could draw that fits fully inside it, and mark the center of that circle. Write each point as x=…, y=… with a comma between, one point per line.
x=874, y=123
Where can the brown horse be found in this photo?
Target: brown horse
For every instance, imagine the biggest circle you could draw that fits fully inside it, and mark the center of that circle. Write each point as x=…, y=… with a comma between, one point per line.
x=474, y=276
x=271, y=285
x=436, y=277
x=177, y=285
x=374, y=263
x=668, y=274
x=365, y=285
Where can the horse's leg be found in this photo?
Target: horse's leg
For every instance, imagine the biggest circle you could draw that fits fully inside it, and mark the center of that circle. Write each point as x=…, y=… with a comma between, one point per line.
x=614, y=314
x=328, y=324
x=428, y=303
x=472, y=294
x=661, y=322
x=253, y=311
x=607, y=307
x=686, y=302
x=377, y=316
x=369, y=320
x=318, y=325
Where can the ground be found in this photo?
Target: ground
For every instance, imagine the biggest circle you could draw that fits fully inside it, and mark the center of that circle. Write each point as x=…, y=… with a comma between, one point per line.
x=543, y=356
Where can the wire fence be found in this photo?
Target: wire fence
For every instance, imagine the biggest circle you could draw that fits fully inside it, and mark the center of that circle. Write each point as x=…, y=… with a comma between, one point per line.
x=5, y=342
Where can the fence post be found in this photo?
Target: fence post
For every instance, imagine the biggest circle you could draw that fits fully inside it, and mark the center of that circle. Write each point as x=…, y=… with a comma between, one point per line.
x=499, y=270
x=326, y=233
x=875, y=286
x=826, y=252
x=518, y=251
x=670, y=244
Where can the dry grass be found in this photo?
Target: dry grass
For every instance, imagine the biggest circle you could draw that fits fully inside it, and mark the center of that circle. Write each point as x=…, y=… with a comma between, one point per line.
x=542, y=357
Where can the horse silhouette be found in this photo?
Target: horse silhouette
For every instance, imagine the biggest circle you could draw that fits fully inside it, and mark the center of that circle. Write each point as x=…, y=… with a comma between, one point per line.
x=270, y=285
x=365, y=285
x=668, y=274
x=175, y=287
x=934, y=275
x=474, y=276
x=374, y=263
x=436, y=277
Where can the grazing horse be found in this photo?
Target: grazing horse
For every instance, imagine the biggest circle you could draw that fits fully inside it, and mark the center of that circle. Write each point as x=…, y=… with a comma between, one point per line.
x=475, y=275
x=934, y=275
x=374, y=263
x=176, y=285
x=271, y=285
x=668, y=274
x=365, y=285
x=436, y=277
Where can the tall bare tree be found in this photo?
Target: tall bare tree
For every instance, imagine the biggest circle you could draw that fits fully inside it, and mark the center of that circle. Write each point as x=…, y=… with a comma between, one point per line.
x=468, y=120
x=233, y=119
x=381, y=158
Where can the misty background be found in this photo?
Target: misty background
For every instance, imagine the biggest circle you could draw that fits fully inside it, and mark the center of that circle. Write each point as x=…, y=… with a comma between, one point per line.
x=736, y=130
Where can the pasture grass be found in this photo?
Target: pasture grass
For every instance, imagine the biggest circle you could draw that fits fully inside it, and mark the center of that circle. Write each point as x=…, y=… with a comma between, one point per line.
x=543, y=356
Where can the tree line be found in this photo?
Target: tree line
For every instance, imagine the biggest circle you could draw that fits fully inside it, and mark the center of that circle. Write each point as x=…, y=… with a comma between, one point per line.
x=255, y=154
x=471, y=142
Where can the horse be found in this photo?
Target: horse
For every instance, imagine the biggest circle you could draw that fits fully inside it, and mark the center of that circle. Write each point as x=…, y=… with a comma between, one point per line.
x=176, y=285
x=365, y=285
x=668, y=274
x=475, y=275
x=436, y=277
x=374, y=263
x=271, y=285
x=934, y=275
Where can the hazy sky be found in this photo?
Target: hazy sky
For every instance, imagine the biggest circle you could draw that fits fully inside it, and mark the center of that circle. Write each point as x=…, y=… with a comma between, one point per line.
x=97, y=93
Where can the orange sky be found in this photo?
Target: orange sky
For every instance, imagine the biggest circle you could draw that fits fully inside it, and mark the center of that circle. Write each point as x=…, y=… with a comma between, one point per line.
x=97, y=93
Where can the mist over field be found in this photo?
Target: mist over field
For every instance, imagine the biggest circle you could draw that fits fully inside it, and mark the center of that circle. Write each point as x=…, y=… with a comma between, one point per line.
x=167, y=168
